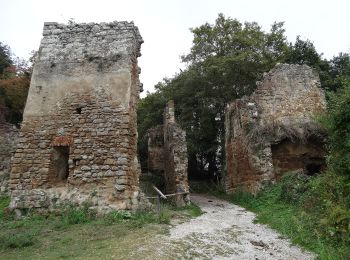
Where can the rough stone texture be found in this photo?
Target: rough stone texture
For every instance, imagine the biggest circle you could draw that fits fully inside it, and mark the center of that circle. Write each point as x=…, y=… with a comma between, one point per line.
x=156, y=149
x=8, y=141
x=273, y=130
x=78, y=137
x=167, y=153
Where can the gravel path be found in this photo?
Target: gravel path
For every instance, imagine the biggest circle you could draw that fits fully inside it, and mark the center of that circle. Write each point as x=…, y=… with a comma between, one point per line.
x=225, y=231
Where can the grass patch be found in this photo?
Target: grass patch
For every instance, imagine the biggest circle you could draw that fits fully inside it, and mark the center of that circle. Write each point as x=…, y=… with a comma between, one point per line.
x=192, y=209
x=80, y=233
x=305, y=211
x=52, y=236
x=4, y=202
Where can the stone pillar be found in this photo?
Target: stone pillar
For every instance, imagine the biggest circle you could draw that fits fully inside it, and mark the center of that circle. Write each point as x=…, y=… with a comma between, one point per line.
x=175, y=156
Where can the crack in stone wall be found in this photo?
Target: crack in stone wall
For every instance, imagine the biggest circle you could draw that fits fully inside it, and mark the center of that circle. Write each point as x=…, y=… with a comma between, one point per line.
x=282, y=108
x=83, y=96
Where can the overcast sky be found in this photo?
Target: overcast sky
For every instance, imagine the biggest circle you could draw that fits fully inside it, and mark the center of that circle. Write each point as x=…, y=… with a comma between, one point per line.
x=164, y=24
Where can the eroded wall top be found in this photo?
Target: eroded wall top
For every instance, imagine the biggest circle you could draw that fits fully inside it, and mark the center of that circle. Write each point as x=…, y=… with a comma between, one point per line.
x=95, y=58
x=287, y=93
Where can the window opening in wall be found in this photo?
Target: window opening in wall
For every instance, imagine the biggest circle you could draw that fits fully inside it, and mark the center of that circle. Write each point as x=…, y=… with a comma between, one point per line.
x=60, y=169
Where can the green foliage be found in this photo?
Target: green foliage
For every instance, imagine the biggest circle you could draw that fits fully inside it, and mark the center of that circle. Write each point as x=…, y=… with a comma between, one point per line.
x=77, y=215
x=164, y=215
x=14, y=84
x=192, y=209
x=337, y=122
x=149, y=114
x=332, y=73
x=4, y=202
x=293, y=186
x=5, y=58
x=26, y=231
x=23, y=239
x=225, y=61
x=117, y=217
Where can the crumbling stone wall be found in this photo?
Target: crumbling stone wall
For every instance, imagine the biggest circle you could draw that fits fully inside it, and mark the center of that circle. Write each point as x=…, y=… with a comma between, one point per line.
x=267, y=132
x=8, y=141
x=170, y=155
x=78, y=137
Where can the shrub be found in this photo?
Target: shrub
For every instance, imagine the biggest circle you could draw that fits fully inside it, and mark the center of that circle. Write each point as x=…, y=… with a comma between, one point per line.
x=117, y=217
x=77, y=215
x=293, y=186
x=4, y=202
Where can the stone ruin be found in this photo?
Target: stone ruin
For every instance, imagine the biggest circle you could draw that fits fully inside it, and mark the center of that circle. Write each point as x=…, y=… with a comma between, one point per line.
x=77, y=143
x=167, y=155
x=8, y=141
x=273, y=131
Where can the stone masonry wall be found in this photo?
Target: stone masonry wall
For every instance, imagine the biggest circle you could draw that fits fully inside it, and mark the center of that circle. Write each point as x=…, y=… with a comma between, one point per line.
x=175, y=156
x=282, y=107
x=167, y=153
x=81, y=108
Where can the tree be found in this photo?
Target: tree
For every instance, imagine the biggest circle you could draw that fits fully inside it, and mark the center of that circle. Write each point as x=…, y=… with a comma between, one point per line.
x=15, y=76
x=337, y=122
x=5, y=58
x=225, y=61
x=149, y=114
x=332, y=72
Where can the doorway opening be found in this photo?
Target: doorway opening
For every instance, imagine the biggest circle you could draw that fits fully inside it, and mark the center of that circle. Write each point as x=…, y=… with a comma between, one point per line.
x=59, y=169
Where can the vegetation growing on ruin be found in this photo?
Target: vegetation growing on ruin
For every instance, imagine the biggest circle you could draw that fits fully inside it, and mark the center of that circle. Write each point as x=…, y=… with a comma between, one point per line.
x=80, y=232
x=224, y=63
x=314, y=210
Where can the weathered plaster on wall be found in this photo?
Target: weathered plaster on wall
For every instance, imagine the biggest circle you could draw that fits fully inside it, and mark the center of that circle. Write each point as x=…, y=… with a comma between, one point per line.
x=83, y=96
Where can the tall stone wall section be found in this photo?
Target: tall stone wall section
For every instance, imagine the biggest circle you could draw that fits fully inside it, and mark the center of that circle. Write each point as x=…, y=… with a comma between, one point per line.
x=81, y=108
x=280, y=111
x=175, y=156
x=167, y=155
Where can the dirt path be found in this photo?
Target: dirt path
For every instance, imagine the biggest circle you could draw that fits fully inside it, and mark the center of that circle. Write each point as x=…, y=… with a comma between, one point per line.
x=225, y=231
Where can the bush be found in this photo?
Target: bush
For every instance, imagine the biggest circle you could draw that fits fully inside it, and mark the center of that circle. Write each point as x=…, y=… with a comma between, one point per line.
x=77, y=215
x=337, y=122
x=328, y=199
x=4, y=202
x=293, y=186
x=117, y=217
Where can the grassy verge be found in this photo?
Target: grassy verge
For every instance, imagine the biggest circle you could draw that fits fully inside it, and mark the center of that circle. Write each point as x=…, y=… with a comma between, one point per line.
x=311, y=211
x=79, y=233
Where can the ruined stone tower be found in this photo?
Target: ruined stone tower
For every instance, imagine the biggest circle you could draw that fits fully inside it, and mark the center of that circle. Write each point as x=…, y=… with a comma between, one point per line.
x=273, y=131
x=78, y=137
